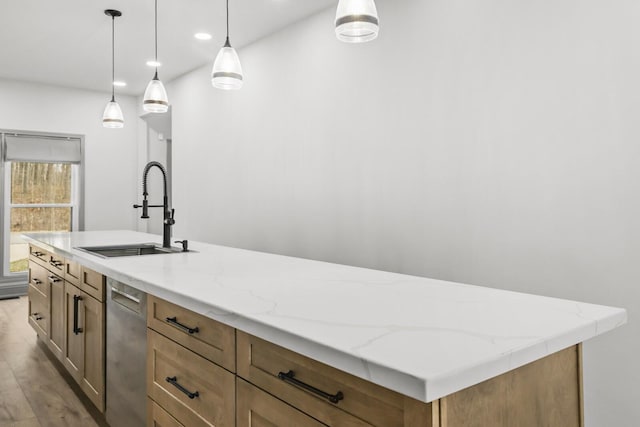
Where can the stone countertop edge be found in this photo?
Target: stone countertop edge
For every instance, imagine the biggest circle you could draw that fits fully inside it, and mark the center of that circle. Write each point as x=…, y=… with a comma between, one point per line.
x=425, y=389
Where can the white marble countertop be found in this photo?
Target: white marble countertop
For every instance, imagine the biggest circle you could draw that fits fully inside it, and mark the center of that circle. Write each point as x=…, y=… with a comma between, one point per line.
x=421, y=337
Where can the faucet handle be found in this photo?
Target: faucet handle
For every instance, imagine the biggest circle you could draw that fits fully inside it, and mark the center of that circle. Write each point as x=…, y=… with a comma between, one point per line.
x=170, y=220
x=185, y=244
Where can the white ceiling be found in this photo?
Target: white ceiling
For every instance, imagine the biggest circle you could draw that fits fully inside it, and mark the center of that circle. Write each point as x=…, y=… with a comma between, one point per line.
x=68, y=42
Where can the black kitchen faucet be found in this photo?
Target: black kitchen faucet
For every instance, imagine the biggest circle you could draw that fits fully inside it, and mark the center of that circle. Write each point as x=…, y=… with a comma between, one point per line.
x=168, y=213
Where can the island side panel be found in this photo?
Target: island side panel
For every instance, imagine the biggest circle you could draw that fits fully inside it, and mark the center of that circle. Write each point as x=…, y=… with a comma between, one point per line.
x=547, y=392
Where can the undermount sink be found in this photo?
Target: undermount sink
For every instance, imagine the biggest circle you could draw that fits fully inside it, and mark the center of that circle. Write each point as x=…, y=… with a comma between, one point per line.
x=128, y=250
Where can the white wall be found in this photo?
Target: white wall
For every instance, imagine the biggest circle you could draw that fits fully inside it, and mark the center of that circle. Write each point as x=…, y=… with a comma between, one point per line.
x=110, y=154
x=494, y=143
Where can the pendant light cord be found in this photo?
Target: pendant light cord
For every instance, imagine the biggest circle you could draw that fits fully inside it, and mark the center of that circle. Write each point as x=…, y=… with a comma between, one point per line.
x=227, y=21
x=156, y=38
x=113, y=58
x=156, y=34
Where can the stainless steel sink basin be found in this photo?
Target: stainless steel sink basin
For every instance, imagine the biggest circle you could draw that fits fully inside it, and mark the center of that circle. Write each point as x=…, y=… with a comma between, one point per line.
x=128, y=250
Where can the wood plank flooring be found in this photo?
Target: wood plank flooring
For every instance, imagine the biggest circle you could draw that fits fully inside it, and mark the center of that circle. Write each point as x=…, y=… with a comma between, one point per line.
x=35, y=391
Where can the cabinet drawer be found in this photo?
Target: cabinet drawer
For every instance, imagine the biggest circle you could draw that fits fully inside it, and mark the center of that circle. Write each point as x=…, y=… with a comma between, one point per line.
x=261, y=363
x=93, y=283
x=191, y=388
x=72, y=272
x=40, y=277
x=158, y=417
x=210, y=339
x=39, y=255
x=49, y=260
x=259, y=409
x=38, y=311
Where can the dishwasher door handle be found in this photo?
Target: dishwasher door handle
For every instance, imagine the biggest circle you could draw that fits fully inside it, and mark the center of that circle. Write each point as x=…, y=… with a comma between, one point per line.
x=125, y=295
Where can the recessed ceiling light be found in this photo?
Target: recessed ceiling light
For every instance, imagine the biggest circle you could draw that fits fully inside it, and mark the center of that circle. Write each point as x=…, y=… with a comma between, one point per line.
x=153, y=63
x=202, y=36
x=119, y=83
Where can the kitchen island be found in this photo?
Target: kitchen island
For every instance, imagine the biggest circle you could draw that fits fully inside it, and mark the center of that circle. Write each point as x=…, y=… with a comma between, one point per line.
x=459, y=354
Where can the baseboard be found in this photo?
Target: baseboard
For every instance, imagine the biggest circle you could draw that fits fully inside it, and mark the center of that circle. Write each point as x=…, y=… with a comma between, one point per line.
x=12, y=290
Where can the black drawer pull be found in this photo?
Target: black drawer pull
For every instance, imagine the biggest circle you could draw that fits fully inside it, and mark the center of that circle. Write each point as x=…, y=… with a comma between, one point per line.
x=55, y=263
x=36, y=281
x=174, y=321
x=38, y=254
x=289, y=377
x=76, y=300
x=36, y=316
x=54, y=279
x=174, y=382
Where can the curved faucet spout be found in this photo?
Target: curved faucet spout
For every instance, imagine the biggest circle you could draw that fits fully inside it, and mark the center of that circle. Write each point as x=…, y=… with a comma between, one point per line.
x=146, y=172
x=168, y=220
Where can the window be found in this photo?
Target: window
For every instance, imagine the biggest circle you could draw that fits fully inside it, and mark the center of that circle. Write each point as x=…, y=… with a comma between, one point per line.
x=41, y=177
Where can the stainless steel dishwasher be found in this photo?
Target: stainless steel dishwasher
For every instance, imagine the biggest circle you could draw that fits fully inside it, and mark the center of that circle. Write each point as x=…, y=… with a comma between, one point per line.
x=126, y=355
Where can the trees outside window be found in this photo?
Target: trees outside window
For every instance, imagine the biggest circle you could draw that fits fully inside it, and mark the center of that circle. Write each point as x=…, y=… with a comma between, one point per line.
x=40, y=201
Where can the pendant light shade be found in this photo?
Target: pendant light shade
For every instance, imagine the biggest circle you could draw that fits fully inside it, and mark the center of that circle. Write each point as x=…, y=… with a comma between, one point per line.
x=112, y=116
x=356, y=21
x=155, y=97
x=227, y=71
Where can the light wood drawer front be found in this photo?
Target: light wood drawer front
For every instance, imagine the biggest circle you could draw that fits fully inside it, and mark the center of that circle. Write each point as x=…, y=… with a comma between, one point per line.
x=56, y=264
x=259, y=409
x=158, y=417
x=93, y=283
x=173, y=372
x=210, y=339
x=39, y=255
x=72, y=272
x=261, y=362
x=38, y=311
x=40, y=278
x=48, y=260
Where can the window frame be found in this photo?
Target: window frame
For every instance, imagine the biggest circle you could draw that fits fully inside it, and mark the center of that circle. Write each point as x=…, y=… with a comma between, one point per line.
x=13, y=284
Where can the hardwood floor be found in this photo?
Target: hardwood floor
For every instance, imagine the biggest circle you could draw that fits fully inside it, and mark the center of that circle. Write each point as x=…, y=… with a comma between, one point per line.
x=34, y=391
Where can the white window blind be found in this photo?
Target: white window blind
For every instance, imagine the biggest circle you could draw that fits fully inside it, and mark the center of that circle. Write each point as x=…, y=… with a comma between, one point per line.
x=33, y=148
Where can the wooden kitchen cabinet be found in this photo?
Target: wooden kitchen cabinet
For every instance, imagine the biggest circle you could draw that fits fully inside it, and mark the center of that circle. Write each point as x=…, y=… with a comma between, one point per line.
x=158, y=417
x=49, y=300
x=73, y=340
x=56, y=323
x=190, y=368
x=66, y=308
x=38, y=312
x=257, y=408
x=202, y=335
x=84, y=342
x=325, y=393
x=195, y=391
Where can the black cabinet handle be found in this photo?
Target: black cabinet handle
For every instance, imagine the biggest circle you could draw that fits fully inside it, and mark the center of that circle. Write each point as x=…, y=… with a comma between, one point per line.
x=174, y=381
x=289, y=377
x=36, y=281
x=54, y=279
x=76, y=300
x=174, y=321
x=55, y=263
x=36, y=316
x=38, y=254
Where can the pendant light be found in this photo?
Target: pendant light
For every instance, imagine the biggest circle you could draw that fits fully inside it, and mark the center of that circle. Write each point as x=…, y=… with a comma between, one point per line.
x=155, y=97
x=356, y=21
x=227, y=71
x=112, y=116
